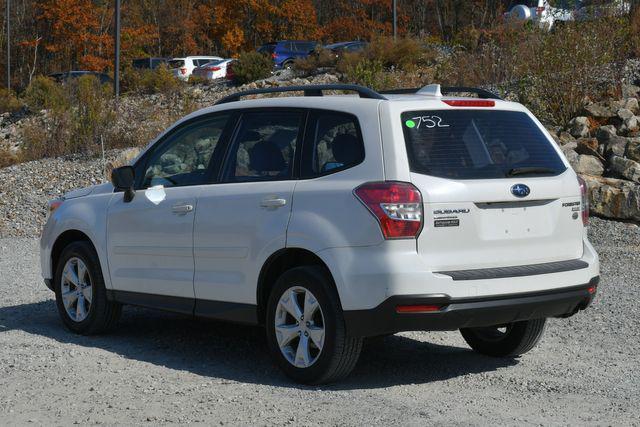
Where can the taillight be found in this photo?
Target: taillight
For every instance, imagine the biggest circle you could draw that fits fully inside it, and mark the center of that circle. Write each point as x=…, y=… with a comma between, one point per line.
x=183, y=71
x=396, y=205
x=584, y=201
x=539, y=10
x=470, y=103
x=54, y=204
x=213, y=69
x=273, y=55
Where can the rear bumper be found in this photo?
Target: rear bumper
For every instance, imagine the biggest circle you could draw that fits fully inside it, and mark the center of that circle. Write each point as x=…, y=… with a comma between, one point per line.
x=456, y=313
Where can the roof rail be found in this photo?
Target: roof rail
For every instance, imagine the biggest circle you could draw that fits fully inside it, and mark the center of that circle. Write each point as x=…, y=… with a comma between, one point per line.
x=309, y=90
x=431, y=90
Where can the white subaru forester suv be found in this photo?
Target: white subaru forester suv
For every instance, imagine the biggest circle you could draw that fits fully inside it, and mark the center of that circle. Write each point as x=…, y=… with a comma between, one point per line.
x=330, y=219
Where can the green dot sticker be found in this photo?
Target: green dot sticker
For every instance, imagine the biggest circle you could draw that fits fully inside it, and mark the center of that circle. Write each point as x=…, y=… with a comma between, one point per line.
x=410, y=124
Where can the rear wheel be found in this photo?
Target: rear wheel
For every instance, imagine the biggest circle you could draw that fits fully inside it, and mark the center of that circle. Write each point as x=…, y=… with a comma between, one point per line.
x=305, y=328
x=81, y=296
x=512, y=339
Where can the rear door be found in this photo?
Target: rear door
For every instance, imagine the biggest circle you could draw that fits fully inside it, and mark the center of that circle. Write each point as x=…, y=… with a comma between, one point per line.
x=496, y=193
x=242, y=218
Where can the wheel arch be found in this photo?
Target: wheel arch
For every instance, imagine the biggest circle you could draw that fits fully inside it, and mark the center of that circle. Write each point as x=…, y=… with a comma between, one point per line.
x=278, y=263
x=63, y=240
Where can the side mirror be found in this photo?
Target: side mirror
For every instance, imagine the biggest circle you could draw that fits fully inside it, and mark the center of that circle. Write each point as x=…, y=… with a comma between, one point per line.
x=123, y=179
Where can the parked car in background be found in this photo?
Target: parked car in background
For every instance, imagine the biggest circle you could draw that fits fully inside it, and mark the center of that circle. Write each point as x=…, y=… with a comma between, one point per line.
x=149, y=63
x=212, y=70
x=285, y=52
x=342, y=47
x=183, y=67
x=71, y=75
x=539, y=12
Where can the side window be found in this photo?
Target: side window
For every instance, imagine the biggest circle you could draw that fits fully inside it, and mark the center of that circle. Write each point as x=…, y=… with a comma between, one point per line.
x=263, y=147
x=184, y=157
x=334, y=143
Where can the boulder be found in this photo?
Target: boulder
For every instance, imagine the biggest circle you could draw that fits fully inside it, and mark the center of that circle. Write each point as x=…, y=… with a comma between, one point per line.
x=604, y=133
x=579, y=127
x=569, y=151
x=616, y=146
x=613, y=198
x=624, y=113
x=588, y=165
x=564, y=137
x=626, y=168
x=629, y=90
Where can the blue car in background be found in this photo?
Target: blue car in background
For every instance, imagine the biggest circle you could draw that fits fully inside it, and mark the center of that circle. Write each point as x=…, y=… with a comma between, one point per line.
x=351, y=47
x=285, y=52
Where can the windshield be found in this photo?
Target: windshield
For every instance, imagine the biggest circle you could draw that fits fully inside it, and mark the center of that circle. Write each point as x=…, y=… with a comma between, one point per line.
x=477, y=144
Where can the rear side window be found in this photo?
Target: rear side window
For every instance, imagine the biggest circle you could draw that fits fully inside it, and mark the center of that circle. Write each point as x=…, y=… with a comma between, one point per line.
x=263, y=147
x=477, y=144
x=334, y=143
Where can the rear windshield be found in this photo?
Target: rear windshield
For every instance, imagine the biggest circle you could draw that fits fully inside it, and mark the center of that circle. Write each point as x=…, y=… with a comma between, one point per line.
x=267, y=48
x=476, y=144
x=176, y=63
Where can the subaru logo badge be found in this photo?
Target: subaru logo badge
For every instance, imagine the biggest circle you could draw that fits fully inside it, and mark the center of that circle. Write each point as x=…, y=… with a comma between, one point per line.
x=520, y=190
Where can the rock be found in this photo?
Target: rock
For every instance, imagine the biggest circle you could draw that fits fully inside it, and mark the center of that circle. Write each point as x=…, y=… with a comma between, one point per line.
x=589, y=165
x=616, y=146
x=633, y=149
x=626, y=168
x=579, y=127
x=624, y=113
x=564, y=137
x=569, y=151
x=604, y=133
x=600, y=110
x=629, y=90
x=630, y=125
x=613, y=198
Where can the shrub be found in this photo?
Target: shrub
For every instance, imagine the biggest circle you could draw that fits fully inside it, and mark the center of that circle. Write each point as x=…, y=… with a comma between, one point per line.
x=7, y=158
x=44, y=93
x=319, y=58
x=251, y=66
x=149, y=82
x=8, y=102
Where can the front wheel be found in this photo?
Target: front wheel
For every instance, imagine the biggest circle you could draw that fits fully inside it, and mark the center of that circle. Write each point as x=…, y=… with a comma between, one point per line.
x=81, y=296
x=305, y=328
x=510, y=340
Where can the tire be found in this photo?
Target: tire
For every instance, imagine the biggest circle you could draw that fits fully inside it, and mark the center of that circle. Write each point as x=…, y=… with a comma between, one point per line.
x=287, y=65
x=518, y=338
x=101, y=315
x=338, y=353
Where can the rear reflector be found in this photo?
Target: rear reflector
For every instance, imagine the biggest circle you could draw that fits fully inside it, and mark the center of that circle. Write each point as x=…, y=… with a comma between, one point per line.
x=396, y=205
x=470, y=103
x=592, y=289
x=418, y=308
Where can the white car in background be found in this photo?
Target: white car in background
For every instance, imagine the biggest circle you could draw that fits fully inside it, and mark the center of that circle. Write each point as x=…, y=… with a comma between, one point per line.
x=183, y=67
x=213, y=70
x=545, y=16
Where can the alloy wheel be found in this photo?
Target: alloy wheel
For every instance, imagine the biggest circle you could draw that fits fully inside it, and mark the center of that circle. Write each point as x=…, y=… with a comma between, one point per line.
x=76, y=289
x=299, y=327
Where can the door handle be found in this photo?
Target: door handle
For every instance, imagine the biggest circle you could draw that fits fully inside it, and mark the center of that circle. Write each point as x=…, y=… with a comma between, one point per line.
x=273, y=203
x=182, y=209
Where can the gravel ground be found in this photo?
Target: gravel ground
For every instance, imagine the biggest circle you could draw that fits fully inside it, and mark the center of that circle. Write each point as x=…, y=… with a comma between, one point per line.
x=160, y=368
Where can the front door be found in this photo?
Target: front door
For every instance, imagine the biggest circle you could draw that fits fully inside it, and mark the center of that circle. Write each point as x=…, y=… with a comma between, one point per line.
x=150, y=239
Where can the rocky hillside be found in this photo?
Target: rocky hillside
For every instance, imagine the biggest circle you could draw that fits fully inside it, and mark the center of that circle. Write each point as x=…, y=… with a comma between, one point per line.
x=603, y=146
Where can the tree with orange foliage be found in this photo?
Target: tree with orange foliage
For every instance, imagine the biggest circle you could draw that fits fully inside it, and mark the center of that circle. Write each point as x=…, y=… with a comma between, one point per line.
x=77, y=31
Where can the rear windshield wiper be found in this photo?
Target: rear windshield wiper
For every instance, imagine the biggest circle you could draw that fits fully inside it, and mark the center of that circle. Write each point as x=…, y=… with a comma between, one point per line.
x=532, y=170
